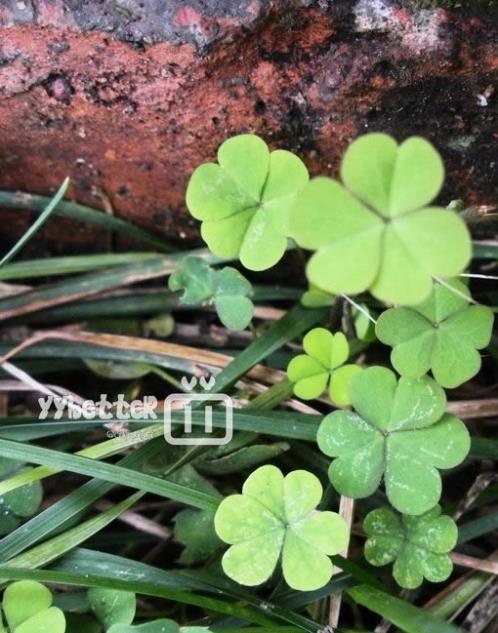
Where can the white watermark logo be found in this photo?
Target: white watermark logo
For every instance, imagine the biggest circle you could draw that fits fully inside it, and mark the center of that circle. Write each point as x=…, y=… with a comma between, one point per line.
x=186, y=402
x=115, y=414
x=102, y=409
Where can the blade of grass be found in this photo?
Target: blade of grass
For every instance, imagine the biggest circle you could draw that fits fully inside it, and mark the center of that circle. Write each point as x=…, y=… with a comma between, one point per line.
x=108, y=472
x=63, y=543
x=460, y=593
x=92, y=283
x=97, y=451
x=91, y=568
x=65, y=511
x=473, y=529
x=485, y=249
x=142, y=587
x=82, y=213
x=47, y=267
x=132, y=304
x=285, y=424
x=37, y=224
x=401, y=613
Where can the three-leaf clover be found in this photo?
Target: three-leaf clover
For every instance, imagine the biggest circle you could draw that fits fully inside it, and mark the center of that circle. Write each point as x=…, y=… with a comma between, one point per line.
x=400, y=432
x=376, y=232
x=275, y=516
x=418, y=545
x=27, y=607
x=244, y=200
x=322, y=366
x=226, y=289
x=441, y=334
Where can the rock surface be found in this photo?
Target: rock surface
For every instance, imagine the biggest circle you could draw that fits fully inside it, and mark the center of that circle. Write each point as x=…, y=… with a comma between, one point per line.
x=128, y=96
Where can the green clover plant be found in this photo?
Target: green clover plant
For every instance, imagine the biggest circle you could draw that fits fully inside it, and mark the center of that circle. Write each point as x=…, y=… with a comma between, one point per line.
x=398, y=431
x=418, y=545
x=27, y=607
x=245, y=199
x=375, y=232
x=275, y=516
x=441, y=334
x=323, y=366
x=226, y=289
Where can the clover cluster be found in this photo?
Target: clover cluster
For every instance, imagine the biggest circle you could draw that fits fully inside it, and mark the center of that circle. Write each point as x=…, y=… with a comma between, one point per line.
x=374, y=231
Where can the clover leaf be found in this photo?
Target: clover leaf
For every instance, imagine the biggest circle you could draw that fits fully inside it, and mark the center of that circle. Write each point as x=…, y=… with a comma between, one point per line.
x=400, y=432
x=275, y=516
x=376, y=231
x=27, y=606
x=315, y=297
x=112, y=606
x=441, y=334
x=226, y=289
x=418, y=545
x=323, y=366
x=244, y=200
x=20, y=503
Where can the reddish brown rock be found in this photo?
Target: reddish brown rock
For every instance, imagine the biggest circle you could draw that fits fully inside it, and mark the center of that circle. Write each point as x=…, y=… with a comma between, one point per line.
x=128, y=97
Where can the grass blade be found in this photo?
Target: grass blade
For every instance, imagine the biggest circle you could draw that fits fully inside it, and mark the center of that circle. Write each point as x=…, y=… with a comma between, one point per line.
x=108, y=472
x=63, y=543
x=90, y=284
x=81, y=213
x=65, y=511
x=50, y=266
x=37, y=224
x=401, y=613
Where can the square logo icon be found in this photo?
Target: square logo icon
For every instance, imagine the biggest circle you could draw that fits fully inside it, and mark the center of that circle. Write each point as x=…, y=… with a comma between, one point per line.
x=183, y=403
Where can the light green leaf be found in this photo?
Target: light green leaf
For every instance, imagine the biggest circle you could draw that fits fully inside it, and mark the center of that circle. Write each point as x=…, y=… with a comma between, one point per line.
x=275, y=515
x=322, y=365
x=24, y=599
x=394, y=250
x=50, y=620
x=227, y=289
x=393, y=179
x=401, y=432
x=315, y=298
x=418, y=545
x=235, y=312
x=368, y=167
x=112, y=606
x=441, y=334
x=244, y=201
x=339, y=384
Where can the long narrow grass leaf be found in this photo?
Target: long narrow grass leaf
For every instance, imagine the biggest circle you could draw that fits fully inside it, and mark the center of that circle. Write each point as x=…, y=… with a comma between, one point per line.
x=37, y=224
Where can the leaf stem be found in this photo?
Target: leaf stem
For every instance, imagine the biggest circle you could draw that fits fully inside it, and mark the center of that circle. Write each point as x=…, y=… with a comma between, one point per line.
x=359, y=308
x=346, y=510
